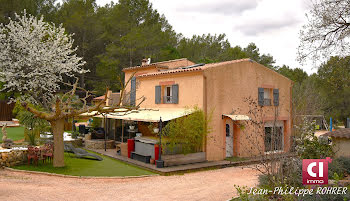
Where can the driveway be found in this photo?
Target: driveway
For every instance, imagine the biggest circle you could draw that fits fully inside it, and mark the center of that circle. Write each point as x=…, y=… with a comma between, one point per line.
x=205, y=185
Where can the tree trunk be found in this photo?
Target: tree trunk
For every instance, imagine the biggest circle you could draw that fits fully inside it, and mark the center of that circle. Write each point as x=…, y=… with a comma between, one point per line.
x=58, y=129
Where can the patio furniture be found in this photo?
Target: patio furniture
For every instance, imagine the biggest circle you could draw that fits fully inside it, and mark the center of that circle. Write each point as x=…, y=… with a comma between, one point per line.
x=99, y=133
x=33, y=153
x=80, y=153
x=47, y=151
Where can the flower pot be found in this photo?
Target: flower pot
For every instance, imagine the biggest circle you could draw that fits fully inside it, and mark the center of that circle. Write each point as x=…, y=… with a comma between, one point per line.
x=156, y=130
x=151, y=161
x=131, y=127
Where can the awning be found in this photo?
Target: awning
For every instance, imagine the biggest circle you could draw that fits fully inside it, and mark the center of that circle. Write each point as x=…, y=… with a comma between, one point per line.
x=92, y=113
x=237, y=117
x=149, y=115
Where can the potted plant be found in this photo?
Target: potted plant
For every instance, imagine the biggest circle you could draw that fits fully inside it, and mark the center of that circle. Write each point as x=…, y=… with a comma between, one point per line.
x=131, y=126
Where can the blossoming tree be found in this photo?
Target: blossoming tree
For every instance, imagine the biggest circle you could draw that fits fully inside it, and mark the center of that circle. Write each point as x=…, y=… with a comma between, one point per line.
x=35, y=56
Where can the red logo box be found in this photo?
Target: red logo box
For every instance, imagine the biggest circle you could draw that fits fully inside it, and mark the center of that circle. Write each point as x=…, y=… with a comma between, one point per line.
x=315, y=171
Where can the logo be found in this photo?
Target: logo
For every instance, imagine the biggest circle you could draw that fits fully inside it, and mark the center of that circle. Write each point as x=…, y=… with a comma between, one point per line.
x=315, y=171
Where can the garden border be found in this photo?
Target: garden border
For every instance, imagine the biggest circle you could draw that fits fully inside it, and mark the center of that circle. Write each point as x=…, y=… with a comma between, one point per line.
x=78, y=177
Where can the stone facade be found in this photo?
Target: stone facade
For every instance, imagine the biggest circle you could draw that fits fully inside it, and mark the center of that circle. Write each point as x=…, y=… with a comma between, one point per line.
x=13, y=158
x=99, y=144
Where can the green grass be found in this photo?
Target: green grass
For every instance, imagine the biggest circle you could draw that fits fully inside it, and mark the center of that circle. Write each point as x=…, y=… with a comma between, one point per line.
x=14, y=133
x=85, y=167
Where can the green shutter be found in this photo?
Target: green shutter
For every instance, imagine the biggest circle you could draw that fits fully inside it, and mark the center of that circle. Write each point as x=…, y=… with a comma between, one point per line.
x=261, y=96
x=158, y=94
x=276, y=97
x=175, y=93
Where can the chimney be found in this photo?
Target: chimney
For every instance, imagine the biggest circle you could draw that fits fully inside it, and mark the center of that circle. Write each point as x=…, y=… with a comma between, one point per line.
x=144, y=62
x=109, y=96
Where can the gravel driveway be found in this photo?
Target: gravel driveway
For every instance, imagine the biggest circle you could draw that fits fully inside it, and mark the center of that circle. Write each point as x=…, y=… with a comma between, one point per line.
x=205, y=185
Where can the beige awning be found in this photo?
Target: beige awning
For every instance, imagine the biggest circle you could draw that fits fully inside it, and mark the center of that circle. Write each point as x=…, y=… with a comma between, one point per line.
x=237, y=117
x=92, y=113
x=149, y=115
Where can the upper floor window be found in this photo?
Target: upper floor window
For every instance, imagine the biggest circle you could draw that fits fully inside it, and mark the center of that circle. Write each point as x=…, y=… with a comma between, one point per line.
x=265, y=96
x=167, y=94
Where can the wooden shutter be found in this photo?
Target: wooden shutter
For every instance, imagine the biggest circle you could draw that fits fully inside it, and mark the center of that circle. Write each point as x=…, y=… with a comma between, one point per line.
x=158, y=94
x=175, y=93
x=261, y=96
x=133, y=92
x=276, y=97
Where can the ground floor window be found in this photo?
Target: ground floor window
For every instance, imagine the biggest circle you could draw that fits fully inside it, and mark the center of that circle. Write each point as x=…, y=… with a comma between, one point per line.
x=273, y=138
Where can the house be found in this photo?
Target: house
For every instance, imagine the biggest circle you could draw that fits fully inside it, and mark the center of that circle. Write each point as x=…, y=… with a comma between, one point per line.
x=341, y=140
x=230, y=91
x=112, y=98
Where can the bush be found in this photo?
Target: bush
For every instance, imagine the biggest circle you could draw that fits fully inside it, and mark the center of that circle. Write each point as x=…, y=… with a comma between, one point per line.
x=188, y=132
x=96, y=123
x=345, y=161
x=335, y=167
x=308, y=145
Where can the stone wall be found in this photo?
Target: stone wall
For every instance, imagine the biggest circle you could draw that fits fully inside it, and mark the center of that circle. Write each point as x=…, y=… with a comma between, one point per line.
x=13, y=158
x=99, y=144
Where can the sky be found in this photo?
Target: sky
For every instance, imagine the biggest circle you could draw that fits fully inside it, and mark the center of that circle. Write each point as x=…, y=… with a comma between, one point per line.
x=273, y=25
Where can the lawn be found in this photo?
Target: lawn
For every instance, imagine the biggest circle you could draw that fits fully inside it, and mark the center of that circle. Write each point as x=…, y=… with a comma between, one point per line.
x=88, y=167
x=14, y=133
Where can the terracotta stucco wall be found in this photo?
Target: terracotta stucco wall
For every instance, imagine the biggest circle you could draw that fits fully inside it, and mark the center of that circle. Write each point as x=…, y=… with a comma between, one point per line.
x=227, y=87
x=129, y=73
x=190, y=89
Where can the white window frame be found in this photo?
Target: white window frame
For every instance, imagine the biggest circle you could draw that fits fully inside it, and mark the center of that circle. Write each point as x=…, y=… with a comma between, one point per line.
x=166, y=100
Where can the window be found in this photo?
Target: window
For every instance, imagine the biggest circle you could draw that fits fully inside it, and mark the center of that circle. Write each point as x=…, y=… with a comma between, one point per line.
x=273, y=138
x=167, y=94
x=267, y=96
x=227, y=130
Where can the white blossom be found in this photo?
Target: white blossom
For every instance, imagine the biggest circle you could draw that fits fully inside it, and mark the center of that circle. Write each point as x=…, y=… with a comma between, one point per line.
x=34, y=57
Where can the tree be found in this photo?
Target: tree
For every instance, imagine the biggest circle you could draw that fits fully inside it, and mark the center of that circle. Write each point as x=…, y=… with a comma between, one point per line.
x=297, y=75
x=327, y=30
x=334, y=86
x=252, y=52
x=34, y=7
x=34, y=57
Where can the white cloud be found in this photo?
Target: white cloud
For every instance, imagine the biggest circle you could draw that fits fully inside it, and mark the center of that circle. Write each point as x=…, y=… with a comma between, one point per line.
x=272, y=24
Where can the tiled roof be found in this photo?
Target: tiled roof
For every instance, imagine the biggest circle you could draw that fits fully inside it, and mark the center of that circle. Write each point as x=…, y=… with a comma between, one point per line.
x=103, y=97
x=199, y=68
x=158, y=64
x=340, y=133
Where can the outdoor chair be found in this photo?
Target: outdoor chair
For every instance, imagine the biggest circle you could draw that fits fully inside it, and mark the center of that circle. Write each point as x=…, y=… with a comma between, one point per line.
x=48, y=152
x=33, y=153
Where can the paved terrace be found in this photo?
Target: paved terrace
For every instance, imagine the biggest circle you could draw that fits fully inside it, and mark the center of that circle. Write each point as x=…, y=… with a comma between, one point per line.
x=181, y=168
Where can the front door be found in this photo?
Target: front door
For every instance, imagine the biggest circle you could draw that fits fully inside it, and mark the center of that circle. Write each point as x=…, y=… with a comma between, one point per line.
x=229, y=140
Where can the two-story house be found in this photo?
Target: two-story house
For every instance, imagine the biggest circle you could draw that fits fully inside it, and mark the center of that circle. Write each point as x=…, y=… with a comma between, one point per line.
x=250, y=104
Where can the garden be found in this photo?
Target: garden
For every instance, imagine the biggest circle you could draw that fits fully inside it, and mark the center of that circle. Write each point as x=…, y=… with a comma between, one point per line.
x=286, y=172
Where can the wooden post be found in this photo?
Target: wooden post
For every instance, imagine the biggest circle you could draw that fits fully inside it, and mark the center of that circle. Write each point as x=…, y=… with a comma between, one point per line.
x=122, y=131
x=115, y=128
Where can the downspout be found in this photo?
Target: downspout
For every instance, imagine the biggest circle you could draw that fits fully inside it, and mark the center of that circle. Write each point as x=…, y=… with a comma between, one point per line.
x=205, y=109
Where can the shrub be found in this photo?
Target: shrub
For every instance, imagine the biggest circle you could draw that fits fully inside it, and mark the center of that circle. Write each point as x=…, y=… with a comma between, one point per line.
x=188, y=132
x=308, y=145
x=345, y=161
x=96, y=122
